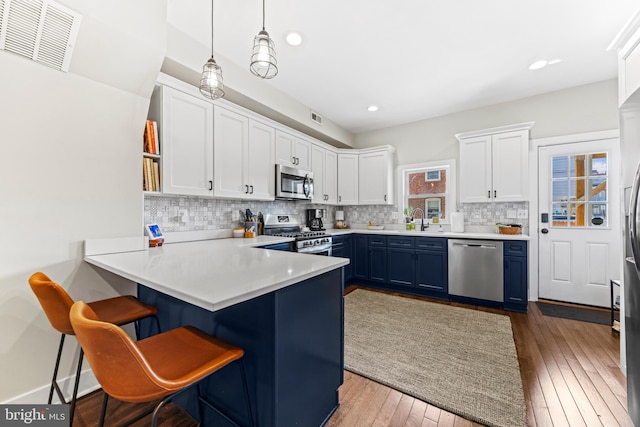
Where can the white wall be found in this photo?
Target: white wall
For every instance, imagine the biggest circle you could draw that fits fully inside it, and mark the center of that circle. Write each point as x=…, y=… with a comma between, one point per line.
x=581, y=109
x=70, y=168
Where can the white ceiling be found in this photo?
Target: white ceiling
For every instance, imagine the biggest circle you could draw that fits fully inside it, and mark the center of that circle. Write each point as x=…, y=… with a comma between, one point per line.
x=415, y=59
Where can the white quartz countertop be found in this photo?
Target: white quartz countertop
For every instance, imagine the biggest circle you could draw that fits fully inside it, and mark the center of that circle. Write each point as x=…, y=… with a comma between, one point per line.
x=430, y=233
x=214, y=274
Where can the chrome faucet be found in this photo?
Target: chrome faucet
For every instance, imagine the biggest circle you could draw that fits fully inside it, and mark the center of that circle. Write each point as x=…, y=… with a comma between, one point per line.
x=422, y=225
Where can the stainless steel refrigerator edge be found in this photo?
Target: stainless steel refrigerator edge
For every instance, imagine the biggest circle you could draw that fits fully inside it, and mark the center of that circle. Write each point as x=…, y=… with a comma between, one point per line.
x=630, y=149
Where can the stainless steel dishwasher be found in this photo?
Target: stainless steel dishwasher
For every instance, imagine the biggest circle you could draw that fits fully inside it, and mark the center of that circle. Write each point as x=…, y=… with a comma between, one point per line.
x=475, y=269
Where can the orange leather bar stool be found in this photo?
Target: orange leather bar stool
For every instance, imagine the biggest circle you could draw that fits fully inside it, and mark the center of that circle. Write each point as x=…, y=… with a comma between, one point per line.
x=158, y=367
x=56, y=303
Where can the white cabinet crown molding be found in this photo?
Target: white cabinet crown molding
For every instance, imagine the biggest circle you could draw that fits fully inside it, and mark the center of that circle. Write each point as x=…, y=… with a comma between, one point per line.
x=496, y=130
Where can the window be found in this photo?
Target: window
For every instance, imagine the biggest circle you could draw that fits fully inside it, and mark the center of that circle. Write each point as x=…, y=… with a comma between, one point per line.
x=429, y=187
x=579, y=190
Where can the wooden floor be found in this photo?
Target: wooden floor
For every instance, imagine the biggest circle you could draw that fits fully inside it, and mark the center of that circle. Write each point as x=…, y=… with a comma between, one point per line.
x=570, y=374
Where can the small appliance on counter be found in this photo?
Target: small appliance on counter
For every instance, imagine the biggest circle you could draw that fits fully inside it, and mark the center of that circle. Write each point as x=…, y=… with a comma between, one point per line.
x=153, y=231
x=340, y=224
x=314, y=220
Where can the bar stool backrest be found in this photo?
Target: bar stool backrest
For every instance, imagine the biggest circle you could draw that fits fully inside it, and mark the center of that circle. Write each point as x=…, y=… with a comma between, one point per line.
x=55, y=302
x=116, y=362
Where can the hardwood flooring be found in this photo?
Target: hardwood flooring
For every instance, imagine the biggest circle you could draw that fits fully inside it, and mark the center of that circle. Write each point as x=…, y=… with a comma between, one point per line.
x=570, y=375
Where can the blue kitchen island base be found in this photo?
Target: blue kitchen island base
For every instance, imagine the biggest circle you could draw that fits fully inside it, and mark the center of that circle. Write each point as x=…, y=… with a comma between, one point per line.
x=294, y=347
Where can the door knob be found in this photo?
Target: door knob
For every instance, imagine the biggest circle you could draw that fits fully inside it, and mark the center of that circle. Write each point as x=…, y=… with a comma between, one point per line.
x=544, y=231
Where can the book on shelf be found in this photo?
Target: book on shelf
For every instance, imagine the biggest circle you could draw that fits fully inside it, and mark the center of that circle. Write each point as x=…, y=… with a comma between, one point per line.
x=145, y=180
x=150, y=175
x=156, y=171
x=151, y=143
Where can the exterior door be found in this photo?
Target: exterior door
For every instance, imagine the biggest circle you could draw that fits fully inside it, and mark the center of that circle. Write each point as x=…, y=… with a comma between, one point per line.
x=579, y=222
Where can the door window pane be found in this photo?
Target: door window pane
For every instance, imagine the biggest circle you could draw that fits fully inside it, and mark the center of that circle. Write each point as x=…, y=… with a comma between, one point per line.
x=598, y=214
x=598, y=189
x=598, y=164
x=579, y=190
x=559, y=214
x=559, y=167
x=577, y=165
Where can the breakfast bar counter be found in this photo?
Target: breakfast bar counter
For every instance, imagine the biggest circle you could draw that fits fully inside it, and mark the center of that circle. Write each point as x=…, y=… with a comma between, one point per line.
x=284, y=309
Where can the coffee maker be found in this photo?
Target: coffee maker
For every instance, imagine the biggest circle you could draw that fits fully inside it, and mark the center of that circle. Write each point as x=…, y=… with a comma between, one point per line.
x=314, y=219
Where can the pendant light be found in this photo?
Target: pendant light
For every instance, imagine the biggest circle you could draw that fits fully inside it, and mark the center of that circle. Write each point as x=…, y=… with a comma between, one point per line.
x=211, y=85
x=263, y=56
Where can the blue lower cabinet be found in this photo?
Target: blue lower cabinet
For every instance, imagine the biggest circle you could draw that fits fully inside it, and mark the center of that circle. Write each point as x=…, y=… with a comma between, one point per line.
x=401, y=266
x=377, y=264
x=515, y=283
x=431, y=270
x=360, y=258
x=342, y=247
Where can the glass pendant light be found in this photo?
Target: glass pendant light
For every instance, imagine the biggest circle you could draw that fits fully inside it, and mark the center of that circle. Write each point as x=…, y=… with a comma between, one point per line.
x=211, y=85
x=263, y=56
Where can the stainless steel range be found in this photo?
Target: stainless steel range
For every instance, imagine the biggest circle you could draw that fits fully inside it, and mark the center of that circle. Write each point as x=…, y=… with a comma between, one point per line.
x=310, y=242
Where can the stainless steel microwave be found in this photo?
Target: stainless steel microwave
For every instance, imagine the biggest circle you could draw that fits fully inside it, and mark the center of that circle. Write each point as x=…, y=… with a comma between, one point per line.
x=293, y=184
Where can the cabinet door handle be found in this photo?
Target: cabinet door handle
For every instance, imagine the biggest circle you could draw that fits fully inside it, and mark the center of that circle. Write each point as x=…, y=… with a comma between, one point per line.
x=251, y=189
x=339, y=198
x=489, y=194
x=293, y=160
x=246, y=189
x=385, y=197
x=210, y=185
x=495, y=194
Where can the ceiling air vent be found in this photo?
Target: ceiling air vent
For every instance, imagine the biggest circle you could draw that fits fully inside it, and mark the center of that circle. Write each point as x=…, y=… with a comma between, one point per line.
x=316, y=117
x=41, y=30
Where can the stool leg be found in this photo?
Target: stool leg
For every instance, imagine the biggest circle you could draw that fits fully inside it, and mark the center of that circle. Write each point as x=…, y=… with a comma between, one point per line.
x=246, y=392
x=200, y=407
x=103, y=411
x=72, y=408
x=154, y=418
x=55, y=373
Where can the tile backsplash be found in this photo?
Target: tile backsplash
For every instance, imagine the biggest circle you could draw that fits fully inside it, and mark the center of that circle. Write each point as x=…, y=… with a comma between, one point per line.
x=183, y=213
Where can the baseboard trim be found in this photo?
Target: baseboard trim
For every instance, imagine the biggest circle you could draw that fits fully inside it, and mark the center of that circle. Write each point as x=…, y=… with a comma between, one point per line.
x=88, y=384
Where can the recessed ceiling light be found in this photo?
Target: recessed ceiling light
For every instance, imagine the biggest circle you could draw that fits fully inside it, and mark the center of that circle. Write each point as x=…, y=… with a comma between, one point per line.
x=538, y=64
x=543, y=63
x=372, y=108
x=293, y=38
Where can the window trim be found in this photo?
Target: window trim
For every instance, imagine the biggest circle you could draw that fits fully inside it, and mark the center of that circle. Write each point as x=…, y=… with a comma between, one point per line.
x=451, y=196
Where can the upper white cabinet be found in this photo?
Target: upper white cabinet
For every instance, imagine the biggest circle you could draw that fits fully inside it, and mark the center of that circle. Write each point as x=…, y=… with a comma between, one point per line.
x=494, y=164
x=324, y=165
x=186, y=132
x=293, y=151
x=347, y=179
x=627, y=43
x=375, y=176
x=243, y=156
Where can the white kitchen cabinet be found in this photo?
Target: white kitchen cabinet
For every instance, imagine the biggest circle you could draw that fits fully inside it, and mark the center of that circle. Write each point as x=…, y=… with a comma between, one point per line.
x=186, y=132
x=494, y=164
x=243, y=157
x=375, y=176
x=293, y=151
x=324, y=165
x=628, y=46
x=347, y=179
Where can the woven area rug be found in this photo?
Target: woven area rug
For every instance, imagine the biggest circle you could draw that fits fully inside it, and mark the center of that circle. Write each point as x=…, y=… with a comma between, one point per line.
x=460, y=360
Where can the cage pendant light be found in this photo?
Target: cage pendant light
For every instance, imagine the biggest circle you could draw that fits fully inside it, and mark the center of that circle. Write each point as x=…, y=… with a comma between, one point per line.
x=263, y=56
x=211, y=85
